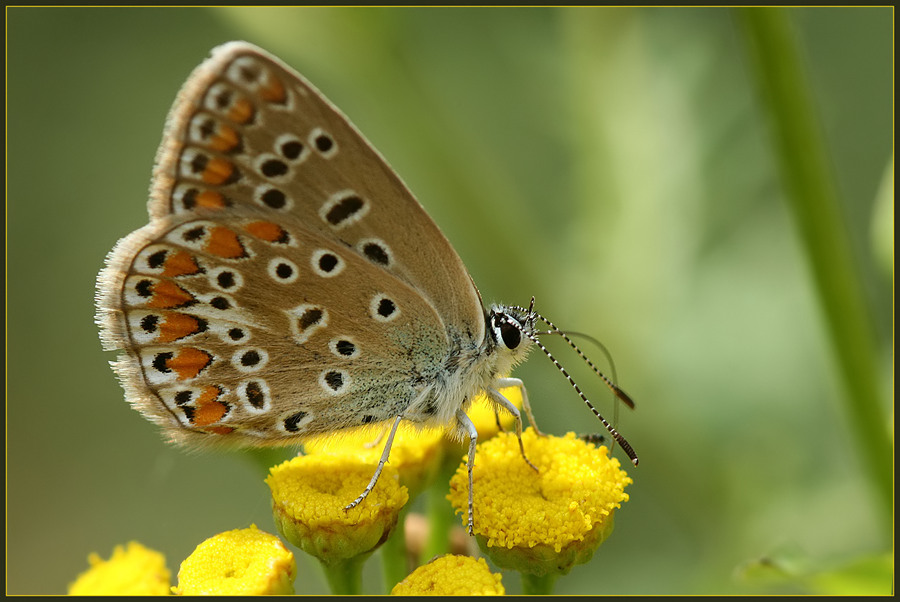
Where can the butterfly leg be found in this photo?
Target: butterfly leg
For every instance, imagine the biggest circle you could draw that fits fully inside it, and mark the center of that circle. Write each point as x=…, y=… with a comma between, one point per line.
x=498, y=398
x=376, y=440
x=500, y=428
x=384, y=458
x=466, y=424
x=516, y=382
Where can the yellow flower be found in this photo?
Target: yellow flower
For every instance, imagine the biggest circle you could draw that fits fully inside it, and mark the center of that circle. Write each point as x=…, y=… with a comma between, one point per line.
x=451, y=576
x=131, y=571
x=541, y=522
x=309, y=494
x=238, y=562
x=415, y=453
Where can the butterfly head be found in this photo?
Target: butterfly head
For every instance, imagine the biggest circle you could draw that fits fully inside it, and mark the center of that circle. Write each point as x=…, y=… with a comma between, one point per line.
x=512, y=331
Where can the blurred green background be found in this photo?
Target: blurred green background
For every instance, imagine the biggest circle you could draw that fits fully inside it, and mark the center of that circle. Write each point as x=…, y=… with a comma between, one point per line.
x=615, y=163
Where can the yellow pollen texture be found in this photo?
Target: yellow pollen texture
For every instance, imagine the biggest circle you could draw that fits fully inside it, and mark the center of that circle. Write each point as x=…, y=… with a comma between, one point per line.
x=132, y=570
x=239, y=562
x=314, y=490
x=309, y=494
x=576, y=490
x=451, y=576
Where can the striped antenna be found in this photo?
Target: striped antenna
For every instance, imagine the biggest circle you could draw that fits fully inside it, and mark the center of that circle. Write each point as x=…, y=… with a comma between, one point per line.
x=626, y=447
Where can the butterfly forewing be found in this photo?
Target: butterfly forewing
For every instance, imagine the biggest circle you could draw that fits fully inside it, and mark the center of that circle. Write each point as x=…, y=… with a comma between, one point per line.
x=274, y=293
x=247, y=129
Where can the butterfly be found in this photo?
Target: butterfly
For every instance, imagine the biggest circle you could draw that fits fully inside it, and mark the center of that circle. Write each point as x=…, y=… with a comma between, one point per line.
x=290, y=285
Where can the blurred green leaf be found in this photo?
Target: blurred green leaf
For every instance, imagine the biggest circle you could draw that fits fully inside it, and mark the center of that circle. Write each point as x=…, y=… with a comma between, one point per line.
x=790, y=569
x=883, y=221
x=868, y=576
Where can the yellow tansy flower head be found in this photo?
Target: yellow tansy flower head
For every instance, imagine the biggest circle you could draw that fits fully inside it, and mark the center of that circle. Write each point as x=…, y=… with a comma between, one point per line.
x=541, y=522
x=309, y=494
x=451, y=575
x=238, y=562
x=131, y=571
x=416, y=453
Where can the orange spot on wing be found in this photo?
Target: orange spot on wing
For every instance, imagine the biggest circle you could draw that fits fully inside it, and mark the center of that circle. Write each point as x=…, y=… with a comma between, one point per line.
x=273, y=91
x=223, y=242
x=209, y=413
x=241, y=111
x=218, y=171
x=208, y=409
x=219, y=430
x=225, y=139
x=210, y=199
x=267, y=231
x=177, y=326
x=167, y=295
x=180, y=263
x=189, y=362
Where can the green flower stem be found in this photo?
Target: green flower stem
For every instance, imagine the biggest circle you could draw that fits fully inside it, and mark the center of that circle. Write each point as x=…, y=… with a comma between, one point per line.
x=534, y=585
x=441, y=516
x=393, y=554
x=813, y=198
x=345, y=577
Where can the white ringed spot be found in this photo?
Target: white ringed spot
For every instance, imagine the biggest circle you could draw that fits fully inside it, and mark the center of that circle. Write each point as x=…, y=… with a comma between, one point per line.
x=326, y=264
x=383, y=309
x=270, y=197
x=291, y=148
x=343, y=209
x=344, y=347
x=273, y=167
x=295, y=422
x=255, y=395
x=334, y=381
x=376, y=251
x=283, y=270
x=323, y=142
x=249, y=359
x=305, y=320
x=226, y=279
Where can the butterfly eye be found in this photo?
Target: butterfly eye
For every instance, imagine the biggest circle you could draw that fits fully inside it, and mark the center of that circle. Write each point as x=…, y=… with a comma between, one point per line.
x=511, y=335
x=507, y=331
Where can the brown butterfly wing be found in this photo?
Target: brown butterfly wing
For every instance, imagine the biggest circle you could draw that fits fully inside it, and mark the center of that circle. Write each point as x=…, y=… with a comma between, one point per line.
x=288, y=282
x=248, y=129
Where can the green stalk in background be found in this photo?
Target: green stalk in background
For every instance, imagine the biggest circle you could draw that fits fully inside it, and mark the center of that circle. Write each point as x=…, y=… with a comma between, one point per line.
x=813, y=198
x=345, y=576
x=393, y=554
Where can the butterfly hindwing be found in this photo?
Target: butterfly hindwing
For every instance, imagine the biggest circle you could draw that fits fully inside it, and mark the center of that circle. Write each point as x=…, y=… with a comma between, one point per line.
x=263, y=332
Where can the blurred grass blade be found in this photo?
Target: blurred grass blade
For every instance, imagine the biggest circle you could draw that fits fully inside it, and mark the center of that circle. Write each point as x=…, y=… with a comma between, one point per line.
x=812, y=195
